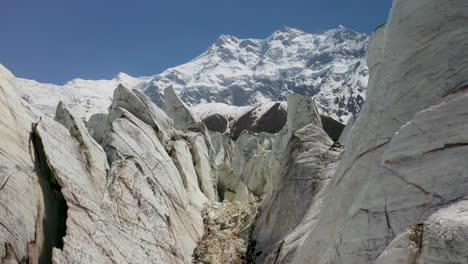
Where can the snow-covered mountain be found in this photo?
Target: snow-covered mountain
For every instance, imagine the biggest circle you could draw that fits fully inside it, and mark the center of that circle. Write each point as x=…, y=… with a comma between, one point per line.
x=330, y=66
x=85, y=97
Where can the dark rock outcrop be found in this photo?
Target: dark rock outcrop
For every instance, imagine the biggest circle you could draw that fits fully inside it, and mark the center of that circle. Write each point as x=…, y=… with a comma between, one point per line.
x=332, y=127
x=270, y=121
x=257, y=120
x=216, y=123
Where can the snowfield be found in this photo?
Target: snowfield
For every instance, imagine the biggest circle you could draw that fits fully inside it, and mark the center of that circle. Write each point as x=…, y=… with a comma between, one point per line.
x=329, y=66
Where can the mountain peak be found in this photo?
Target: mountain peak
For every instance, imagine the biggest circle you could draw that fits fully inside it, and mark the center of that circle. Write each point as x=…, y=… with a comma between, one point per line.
x=225, y=39
x=244, y=72
x=122, y=76
x=287, y=29
x=286, y=32
x=342, y=28
x=342, y=34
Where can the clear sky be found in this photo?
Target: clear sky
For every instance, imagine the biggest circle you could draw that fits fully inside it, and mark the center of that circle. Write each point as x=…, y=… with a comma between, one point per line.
x=59, y=40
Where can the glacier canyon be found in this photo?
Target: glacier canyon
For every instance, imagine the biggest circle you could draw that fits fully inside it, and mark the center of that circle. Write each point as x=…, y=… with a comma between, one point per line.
x=326, y=148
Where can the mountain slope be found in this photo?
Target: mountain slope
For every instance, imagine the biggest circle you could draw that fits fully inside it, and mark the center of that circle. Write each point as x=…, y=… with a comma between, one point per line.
x=84, y=97
x=330, y=66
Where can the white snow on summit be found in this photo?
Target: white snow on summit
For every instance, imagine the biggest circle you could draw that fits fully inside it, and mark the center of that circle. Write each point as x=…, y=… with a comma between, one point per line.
x=85, y=97
x=330, y=66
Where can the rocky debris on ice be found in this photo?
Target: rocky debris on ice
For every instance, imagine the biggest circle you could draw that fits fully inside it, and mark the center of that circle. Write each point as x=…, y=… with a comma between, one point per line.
x=227, y=233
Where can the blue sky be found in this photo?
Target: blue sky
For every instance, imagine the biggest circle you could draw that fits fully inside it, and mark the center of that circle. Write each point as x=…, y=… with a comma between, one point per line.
x=58, y=40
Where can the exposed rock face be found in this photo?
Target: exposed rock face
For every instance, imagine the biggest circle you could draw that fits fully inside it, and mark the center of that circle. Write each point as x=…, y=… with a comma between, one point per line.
x=403, y=160
x=231, y=120
x=270, y=121
x=216, y=123
x=332, y=127
x=268, y=118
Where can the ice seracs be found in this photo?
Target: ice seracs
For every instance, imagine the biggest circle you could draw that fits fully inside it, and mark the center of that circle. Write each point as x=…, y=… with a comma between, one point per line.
x=117, y=201
x=131, y=184
x=382, y=186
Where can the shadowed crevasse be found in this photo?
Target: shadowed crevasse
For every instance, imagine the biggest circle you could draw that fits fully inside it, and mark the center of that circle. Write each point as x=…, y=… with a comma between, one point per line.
x=55, y=208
